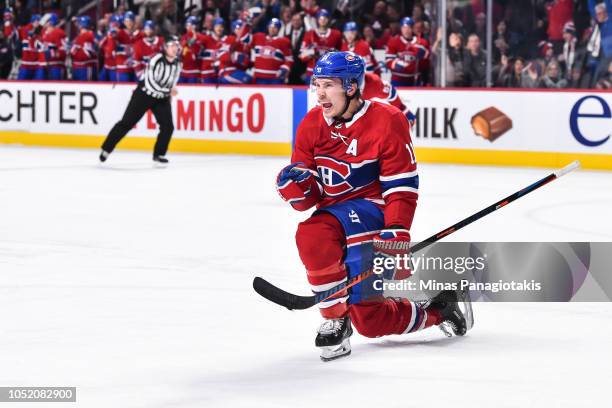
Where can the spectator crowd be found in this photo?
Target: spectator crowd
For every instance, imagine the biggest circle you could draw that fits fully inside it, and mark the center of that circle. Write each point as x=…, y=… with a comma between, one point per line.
x=535, y=44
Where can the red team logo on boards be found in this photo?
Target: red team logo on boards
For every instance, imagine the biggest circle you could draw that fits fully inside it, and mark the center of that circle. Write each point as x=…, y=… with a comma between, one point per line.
x=334, y=175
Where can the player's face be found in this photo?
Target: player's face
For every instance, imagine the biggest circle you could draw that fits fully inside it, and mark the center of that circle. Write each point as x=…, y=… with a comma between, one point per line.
x=323, y=21
x=330, y=95
x=350, y=36
x=272, y=31
x=218, y=29
x=129, y=24
x=406, y=31
x=148, y=32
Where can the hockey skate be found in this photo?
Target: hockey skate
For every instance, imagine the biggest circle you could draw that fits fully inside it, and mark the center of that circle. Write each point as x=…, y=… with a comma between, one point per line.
x=333, y=338
x=450, y=304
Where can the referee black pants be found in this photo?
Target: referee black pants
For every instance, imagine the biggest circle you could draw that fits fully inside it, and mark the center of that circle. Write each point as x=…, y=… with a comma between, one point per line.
x=139, y=104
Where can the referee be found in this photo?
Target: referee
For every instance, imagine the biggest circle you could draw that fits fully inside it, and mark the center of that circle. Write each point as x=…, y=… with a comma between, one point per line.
x=154, y=90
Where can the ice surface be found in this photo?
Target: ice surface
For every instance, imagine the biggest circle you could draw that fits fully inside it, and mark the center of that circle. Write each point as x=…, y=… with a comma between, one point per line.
x=133, y=284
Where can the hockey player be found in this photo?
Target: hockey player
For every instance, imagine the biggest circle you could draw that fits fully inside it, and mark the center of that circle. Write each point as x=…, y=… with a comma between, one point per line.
x=353, y=160
x=317, y=42
x=234, y=56
x=353, y=43
x=145, y=48
x=209, y=53
x=273, y=57
x=404, y=55
x=52, y=50
x=83, y=52
x=118, y=49
x=30, y=39
x=191, y=44
x=129, y=21
x=377, y=89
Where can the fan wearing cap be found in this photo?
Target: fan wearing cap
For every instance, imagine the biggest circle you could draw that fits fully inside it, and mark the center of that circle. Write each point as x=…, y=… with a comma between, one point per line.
x=404, y=55
x=209, y=52
x=146, y=47
x=153, y=92
x=29, y=37
x=353, y=160
x=273, y=57
x=52, y=55
x=83, y=52
x=191, y=44
x=11, y=33
x=235, y=55
x=353, y=43
x=319, y=41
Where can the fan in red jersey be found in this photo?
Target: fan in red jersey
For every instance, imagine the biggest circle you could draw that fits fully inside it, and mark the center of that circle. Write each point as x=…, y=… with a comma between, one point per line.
x=235, y=55
x=318, y=42
x=353, y=160
x=273, y=57
x=353, y=43
x=405, y=54
x=209, y=53
x=145, y=48
x=29, y=37
x=191, y=45
x=83, y=52
x=52, y=50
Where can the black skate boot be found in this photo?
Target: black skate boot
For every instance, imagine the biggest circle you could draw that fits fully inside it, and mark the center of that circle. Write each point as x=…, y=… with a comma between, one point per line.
x=160, y=160
x=333, y=338
x=448, y=304
x=103, y=156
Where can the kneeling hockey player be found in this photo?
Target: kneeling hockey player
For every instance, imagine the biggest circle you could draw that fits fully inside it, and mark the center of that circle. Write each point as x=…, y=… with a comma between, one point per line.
x=354, y=160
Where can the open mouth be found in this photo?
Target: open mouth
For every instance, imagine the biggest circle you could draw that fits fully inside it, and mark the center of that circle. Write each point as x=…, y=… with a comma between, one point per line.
x=325, y=105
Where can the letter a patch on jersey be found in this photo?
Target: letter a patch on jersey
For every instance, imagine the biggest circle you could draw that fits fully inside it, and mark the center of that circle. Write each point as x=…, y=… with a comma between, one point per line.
x=352, y=149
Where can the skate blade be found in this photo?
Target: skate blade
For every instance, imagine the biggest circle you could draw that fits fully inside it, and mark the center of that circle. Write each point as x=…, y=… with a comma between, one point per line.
x=468, y=313
x=446, y=329
x=336, y=352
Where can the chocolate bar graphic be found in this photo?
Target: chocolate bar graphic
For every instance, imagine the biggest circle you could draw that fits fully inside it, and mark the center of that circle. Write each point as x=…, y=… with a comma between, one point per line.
x=491, y=123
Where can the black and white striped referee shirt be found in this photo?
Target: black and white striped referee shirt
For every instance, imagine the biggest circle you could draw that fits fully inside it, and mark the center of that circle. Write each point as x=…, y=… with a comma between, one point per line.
x=160, y=76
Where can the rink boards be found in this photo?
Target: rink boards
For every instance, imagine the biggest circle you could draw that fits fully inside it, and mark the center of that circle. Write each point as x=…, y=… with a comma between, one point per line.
x=475, y=126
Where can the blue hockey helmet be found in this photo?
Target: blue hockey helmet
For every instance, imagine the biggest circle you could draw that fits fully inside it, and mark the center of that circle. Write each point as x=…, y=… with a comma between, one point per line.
x=323, y=13
x=347, y=66
x=350, y=26
x=129, y=16
x=149, y=24
x=236, y=24
x=407, y=21
x=275, y=22
x=8, y=13
x=53, y=19
x=35, y=18
x=84, y=21
x=192, y=20
x=116, y=19
x=218, y=21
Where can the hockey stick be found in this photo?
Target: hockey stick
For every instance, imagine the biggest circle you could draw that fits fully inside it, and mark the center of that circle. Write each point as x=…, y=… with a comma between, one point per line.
x=291, y=301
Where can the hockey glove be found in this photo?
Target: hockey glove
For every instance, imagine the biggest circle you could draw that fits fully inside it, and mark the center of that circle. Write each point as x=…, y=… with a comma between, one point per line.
x=393, y=244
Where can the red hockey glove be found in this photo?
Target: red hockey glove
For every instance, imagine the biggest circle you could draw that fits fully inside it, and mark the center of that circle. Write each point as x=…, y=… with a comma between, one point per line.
x=393, y=243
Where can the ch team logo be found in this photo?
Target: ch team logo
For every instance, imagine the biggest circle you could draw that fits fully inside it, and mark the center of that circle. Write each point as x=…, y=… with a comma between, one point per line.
x=334, y=175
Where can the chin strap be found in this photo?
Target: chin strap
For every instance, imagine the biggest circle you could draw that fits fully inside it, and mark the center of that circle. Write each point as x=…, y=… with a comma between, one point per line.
x=339, y=117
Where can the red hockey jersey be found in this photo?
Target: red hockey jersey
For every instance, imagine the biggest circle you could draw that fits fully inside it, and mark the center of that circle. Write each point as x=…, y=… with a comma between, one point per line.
x=316, y=44
x=191, y=44
x=53, y=47
x=30, y=42
x=363, y=49
x=370, y=157
x=376, y=88
x=209, y=55
x=271, y=55
x=403, y=57
x=83, y=50
x=144, y=49
x=235, y=53
x=118, y=51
